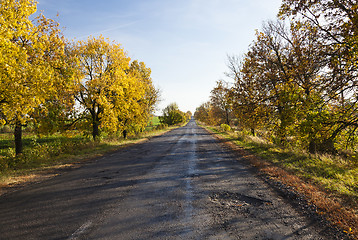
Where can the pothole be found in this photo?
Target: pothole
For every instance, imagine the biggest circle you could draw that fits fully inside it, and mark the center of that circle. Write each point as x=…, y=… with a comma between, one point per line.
x=238, y=200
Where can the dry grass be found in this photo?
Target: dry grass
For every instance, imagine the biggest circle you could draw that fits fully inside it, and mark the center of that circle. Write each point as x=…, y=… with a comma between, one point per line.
x=340, y=209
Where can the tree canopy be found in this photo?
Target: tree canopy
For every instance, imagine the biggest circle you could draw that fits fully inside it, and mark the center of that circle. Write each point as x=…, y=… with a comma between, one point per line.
x=172, y=115
x=297, y=83
x=32, y=53
x=53, y=83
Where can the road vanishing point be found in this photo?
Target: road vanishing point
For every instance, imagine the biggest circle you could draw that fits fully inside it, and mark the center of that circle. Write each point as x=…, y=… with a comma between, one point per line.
x=181, y=185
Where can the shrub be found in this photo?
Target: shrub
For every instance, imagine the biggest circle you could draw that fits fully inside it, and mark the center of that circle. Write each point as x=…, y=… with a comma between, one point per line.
x=172, y=115
x=161, y=126
x=5, y=129
x=225, y=127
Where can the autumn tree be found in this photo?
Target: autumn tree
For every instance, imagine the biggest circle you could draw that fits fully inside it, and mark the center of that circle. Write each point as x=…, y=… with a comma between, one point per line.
x=269, y=53
x=206, y=113
x=172, y=115
x=55, y=114
x=336, y=21
x=112, y=95
x=247, y=99
x=218, y=110
x=220, y=101
x=201, y=113
x=278, y=84
x=302, y=64
x=32, y=53
x=188, y=115
x=138, y=118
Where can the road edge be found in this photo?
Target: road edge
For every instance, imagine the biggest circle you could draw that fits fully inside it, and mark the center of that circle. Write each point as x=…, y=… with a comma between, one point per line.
x=39, y=175
x=289, y=186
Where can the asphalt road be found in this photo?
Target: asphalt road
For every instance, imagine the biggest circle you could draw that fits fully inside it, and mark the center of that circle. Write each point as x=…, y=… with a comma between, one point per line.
x=181, y=185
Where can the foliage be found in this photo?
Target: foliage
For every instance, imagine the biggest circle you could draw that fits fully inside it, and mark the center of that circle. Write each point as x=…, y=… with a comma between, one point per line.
x=114, y=94
x=335, y=25
x=219, y=109
x=54, y=85
x=206, y=113
x=172, y=115
x=188, y=115
x=137, y=120
x=32, y=56
x=225, y=127
x=220, y=101
x=245, y=96
x=101, y=82
x=283, y=88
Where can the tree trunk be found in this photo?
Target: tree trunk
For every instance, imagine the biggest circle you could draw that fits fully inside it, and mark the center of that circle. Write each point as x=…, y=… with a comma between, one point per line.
x=18, y=138
x=282, y=127
x=253, y=131
x=95, y=132
x=227, y=117
x=125, y=134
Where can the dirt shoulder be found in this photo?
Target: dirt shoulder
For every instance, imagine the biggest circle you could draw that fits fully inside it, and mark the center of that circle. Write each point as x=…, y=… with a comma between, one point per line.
x=311, y=199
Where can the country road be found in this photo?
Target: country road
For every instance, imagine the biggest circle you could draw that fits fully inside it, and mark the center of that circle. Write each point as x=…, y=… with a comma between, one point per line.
x=181, y=185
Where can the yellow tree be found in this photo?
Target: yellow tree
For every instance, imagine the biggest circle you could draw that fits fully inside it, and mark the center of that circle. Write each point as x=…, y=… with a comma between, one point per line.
x=141, y=111
x=31, y=53
x=172, y=115
x=109, y=93
x=55, y=113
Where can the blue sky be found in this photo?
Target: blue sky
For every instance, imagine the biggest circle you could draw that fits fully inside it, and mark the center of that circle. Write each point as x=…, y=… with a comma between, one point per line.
x=184, y=42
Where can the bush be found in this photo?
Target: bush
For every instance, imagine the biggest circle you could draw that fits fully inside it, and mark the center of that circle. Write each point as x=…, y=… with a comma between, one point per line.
x=172, y=115
x=161, y=126
x=5, y=129
x=225, y=127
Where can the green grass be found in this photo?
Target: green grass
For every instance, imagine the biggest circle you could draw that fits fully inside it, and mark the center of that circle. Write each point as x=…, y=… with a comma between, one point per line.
x=336, y=174
x=153, y=123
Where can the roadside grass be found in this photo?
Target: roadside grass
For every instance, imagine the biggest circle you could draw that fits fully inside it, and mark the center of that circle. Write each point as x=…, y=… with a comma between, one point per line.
x=46, y=155
x=329, y=182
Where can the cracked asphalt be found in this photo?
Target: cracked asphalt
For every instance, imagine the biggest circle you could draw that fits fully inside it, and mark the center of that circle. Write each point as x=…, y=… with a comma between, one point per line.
x=181, y=185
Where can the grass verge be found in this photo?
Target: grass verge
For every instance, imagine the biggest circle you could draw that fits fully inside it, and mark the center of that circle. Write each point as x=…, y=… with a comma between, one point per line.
x=42, y=160
x=328, y=182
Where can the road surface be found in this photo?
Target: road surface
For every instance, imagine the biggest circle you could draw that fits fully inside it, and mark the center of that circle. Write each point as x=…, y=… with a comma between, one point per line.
x=181, y=185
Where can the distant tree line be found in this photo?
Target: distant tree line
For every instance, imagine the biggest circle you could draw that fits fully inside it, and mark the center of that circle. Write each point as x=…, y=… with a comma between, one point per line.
x=56, y=85
x=297, y=84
